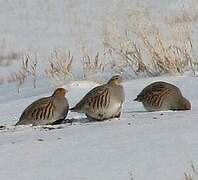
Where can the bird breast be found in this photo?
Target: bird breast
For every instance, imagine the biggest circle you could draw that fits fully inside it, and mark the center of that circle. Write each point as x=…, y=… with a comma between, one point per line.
x=118, y=93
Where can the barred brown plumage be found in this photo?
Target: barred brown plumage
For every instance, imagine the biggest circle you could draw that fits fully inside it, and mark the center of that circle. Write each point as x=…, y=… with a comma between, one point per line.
x=163, y=96
x=103, y=102
x=48, y=110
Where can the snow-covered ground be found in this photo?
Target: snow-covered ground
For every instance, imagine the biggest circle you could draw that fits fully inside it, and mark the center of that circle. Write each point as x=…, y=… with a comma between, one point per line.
x=141, y=145
x=145, y=145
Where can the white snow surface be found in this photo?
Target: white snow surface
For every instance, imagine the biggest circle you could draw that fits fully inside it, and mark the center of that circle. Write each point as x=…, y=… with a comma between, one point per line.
x=143, y=145
x=140, y=145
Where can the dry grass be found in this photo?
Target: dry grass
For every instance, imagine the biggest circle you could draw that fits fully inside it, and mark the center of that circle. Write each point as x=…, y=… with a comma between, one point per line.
x=193, y=175
x=8, y=59
x=28, y=69
x=60, y=66
x=20, y=76
x=183, y=14
x=133, y=58
x=131, y=176
x=32, y=63
x=151, y=50
x=166, y=58
x=92, y=64
x=145, y=47
x=184, y=17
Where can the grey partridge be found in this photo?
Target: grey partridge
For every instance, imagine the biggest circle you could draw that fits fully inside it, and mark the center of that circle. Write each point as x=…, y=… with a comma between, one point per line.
x=47, y=110
x=160, y=96
x=104, y=101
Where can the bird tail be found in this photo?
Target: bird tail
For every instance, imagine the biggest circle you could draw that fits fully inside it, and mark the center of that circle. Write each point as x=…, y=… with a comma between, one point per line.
x=75, y=109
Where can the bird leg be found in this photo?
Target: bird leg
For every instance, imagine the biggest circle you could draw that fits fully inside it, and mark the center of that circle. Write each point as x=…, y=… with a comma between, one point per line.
x=59, y=121
x=118, y=115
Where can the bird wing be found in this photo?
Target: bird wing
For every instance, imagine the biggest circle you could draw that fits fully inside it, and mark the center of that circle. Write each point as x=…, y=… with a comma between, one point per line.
x=40, y=109
x=154, y=94
x=98, y=97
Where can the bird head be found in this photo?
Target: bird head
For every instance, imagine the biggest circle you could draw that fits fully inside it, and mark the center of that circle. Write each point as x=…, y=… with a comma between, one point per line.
x=185, y=104
x=60, y=92
x=117, y=80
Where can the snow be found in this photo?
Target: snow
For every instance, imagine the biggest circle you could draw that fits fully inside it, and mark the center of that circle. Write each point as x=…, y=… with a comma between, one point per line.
x=149, y=145
x=140, y=146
